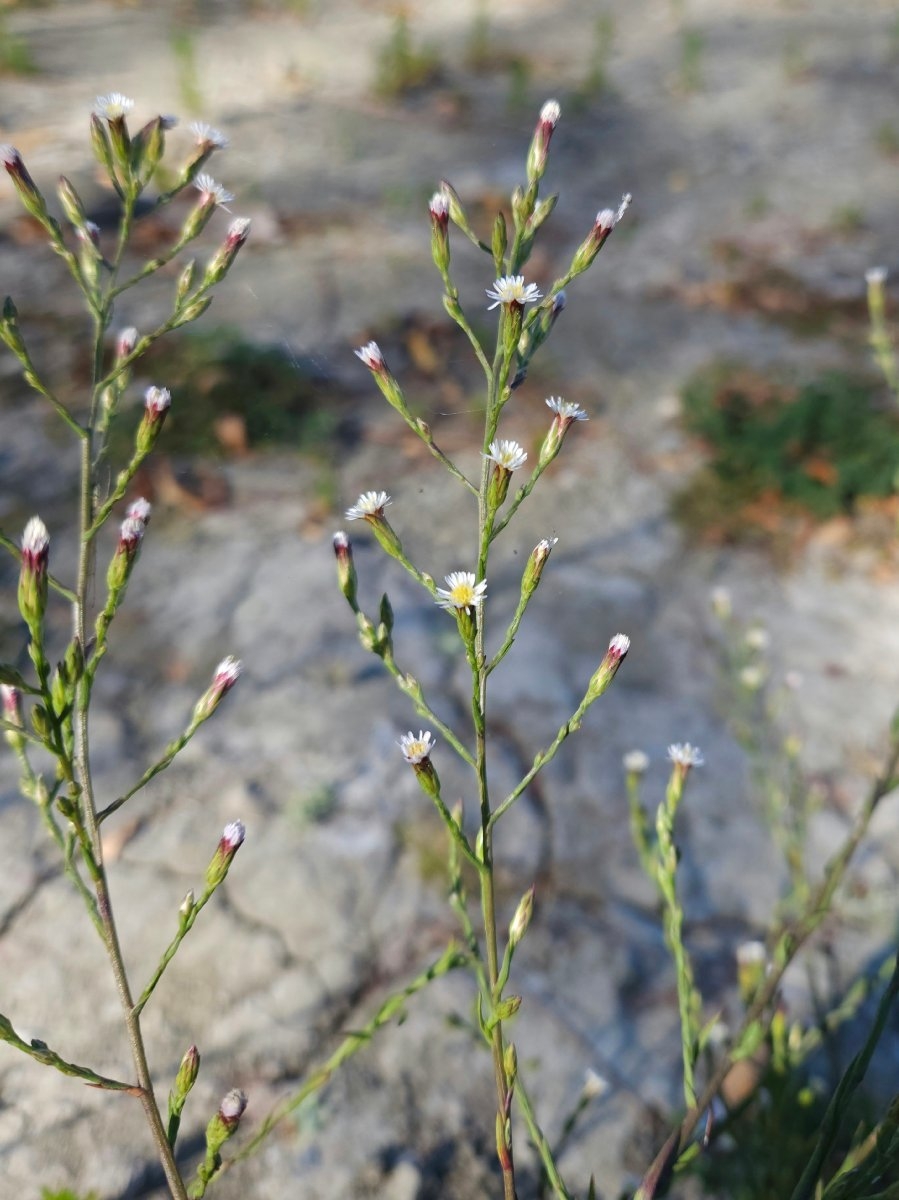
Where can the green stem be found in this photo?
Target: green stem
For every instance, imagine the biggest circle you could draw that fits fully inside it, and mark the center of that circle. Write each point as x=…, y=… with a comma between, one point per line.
x=541, y=1144
x=42, y=1053
x=392, y=1007
x=790, y=938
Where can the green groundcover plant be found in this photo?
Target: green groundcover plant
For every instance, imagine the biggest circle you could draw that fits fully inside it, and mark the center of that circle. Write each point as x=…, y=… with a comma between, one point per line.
x=47, y=695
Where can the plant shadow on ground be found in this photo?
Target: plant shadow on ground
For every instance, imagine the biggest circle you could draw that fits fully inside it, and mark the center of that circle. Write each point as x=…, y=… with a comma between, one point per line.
x=784, y=457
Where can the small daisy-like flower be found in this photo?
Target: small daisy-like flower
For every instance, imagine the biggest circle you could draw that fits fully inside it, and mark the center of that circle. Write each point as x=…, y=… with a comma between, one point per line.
x=369, y=504
x=874, y=276
x=416, y=749
x=636, y=762
x=508, y=455
x=682, y=754
x=207, y=136
x=157, y=401
x=372, y=357
x=461, y=592
x=752, y=678
x=113, y=106
x=566, y=410
x=210, y=190
x=512, y=289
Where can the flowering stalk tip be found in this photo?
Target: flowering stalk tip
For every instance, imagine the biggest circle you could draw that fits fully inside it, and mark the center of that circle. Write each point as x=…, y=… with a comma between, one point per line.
x=29, y=193
x=512, y=291
x=607, y=669
x=371, y=355
x=522, y=918
x=683, y=756
x=439, y=208
x=539, y=149
x=131, y=535
x=537, y=560
x=238, y=232
x=370, y=508
x=229, y=843
x=346, y=570
x=606, y=220
x=463, y=597
x=225, y=677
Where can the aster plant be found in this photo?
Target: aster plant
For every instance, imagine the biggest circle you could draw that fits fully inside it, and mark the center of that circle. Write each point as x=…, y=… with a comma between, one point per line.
x=527, y=315
x=46, y=704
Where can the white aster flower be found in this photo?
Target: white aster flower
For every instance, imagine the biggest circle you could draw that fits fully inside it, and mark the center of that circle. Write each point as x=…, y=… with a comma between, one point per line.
x=508, y=455
x=566, y=410
x=416, y=749
x=461, y=592
x=876, y=276
x=682, y=754
x=512, y=289
x=210, y=190
x=636, y=762
x=757, y=638
x=369, y=504
x=207, y=136
x=372, y=357
x=113, y=107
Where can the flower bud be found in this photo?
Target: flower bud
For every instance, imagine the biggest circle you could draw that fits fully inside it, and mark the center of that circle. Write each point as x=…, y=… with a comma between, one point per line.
x=157, y=401
x=185, y=1079
x=186, y=908
x=539, y=149
x=229, y=843
x=605, y=672
x=499, y=242
x=225, y=1122
x=438, y=207
x=131, y=535
x=506, y=1008
x=226, y=675
x=101, y=144
x=535, y=564
x=238, y=232
x=605, y=222
x=148, y=147
x=33, y=575
x=125, y=342
x=456, y=211
x=346, y=570
x=510, y=1062
x=11, y=707
x=522, y=919
x=29, y=193
x=71, y=203
x=371, y=355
